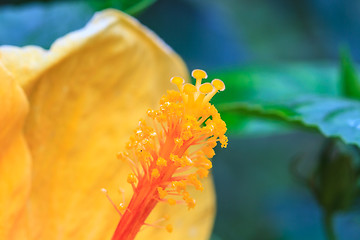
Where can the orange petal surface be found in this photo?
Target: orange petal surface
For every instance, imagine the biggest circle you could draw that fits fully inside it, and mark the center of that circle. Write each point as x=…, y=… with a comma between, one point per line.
x=15, y=163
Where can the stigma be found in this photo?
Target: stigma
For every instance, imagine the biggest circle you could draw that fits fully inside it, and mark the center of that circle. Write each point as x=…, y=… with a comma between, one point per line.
x=195, y=96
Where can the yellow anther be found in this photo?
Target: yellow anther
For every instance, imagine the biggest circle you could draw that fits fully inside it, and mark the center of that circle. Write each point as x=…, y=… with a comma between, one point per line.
x=207, y=164
x=162, y=192
x=218, y=84
x=186, y=135
x=171, y=201
x=131, y=178
x=209, y=152
x=169, y=228
x=186, y=195
x=151, y=113
x=199, y=74
x=192, y=179
x=206, y=88
x=211, y=144
x=189, y=88
x=161, y=162
x=155, y=173
x=179, y=186
x=184, y=161
x=191, y=203
x=122, y=206
x=224, y=141
x=177, y=81
x=174, y=158
x=202, y=172
x=179, y=141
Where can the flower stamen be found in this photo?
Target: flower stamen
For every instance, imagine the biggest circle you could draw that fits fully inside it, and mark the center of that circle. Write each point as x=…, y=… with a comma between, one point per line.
x=172, y=153
x=111, y=201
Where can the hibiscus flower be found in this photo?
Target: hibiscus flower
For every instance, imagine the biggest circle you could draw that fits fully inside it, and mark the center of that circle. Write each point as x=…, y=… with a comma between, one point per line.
x=65, y=113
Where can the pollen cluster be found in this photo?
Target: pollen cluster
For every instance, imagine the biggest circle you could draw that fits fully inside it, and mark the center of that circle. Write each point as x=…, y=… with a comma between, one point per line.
x=170, y=152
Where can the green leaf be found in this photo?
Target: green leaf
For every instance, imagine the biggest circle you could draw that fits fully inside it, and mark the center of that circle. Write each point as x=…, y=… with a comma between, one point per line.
x=279, y=81
x=350, y=83
x=302, y=95
x=131, y=7
x=333, y=117
x=246, y=125
x=262, y=84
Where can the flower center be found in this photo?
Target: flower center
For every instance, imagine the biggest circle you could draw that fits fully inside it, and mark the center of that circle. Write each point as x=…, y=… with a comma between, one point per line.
x=171, y=151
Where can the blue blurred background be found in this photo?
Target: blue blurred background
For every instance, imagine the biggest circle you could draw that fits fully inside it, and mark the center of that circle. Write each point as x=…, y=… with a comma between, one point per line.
x=207, y=33
x=259, y=198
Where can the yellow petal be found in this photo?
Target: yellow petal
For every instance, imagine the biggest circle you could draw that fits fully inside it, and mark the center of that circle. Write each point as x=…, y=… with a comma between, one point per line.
x=86, y=96
x=14, y=159
x=23, y=63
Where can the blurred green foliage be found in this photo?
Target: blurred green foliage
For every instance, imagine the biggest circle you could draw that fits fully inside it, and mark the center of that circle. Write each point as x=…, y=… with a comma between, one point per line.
x=272, y=86
x=310, y=97
x=350, y=84
x=131, y=7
